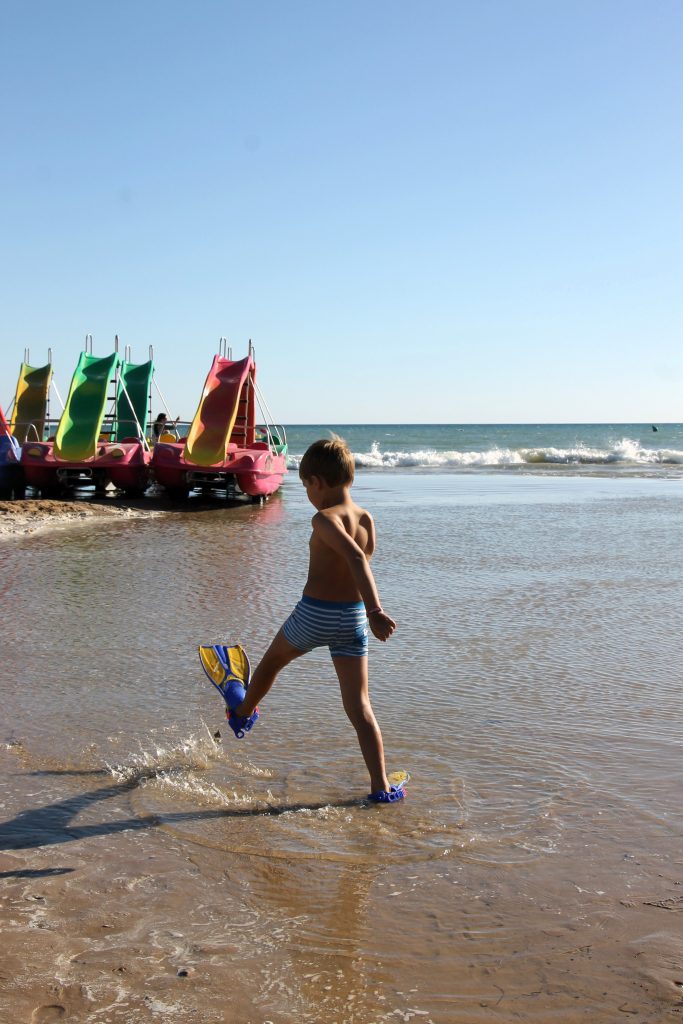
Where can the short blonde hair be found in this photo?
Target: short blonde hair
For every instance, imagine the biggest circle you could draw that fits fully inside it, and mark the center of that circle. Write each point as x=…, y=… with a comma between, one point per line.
x=331, y=460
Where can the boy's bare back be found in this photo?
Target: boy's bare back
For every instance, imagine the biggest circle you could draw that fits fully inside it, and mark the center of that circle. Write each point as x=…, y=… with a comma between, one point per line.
x=339, y=533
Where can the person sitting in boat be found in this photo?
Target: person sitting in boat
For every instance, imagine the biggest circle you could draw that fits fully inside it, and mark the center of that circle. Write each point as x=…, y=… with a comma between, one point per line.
x=161, y=426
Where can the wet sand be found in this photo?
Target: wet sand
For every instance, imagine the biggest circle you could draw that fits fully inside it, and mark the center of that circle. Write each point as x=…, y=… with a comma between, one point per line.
x=110, y=917
x=149, y=872
x=33, y=514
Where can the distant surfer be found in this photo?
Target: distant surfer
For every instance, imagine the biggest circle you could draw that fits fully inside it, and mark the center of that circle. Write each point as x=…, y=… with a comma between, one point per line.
x=339, y=601
x=656, y=429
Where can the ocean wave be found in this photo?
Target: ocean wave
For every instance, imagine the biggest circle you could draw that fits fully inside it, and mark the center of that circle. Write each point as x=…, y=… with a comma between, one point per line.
x=625, y=451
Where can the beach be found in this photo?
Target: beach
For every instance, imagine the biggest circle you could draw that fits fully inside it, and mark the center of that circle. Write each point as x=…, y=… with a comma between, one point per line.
x=32, y=514
x=450, y=236
x=154, y=868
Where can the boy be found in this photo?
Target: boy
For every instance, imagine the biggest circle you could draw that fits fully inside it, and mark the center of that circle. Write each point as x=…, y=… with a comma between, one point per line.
x=339, y=592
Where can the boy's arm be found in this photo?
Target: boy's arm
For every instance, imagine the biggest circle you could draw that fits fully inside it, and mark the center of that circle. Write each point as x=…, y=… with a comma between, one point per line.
x=332, y=533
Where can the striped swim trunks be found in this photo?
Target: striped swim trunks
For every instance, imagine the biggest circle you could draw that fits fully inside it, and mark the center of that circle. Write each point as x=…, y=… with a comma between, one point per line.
x=340, y=625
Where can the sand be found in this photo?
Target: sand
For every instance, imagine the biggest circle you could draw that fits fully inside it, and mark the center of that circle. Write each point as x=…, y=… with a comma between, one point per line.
x=534, y=874
x=31, y=515
x=116, y=920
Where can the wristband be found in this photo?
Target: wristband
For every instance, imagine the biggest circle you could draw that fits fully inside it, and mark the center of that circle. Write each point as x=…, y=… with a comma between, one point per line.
x=372, y=611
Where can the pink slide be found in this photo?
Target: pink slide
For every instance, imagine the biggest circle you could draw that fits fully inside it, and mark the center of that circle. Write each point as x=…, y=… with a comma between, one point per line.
x=218, y=410
x=220, y=451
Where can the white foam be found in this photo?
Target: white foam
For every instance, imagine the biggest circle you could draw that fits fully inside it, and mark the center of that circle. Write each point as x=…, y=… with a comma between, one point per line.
x=625, y=451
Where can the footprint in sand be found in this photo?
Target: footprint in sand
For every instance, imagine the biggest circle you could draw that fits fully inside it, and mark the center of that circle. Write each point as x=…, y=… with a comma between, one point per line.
x=48, y=1014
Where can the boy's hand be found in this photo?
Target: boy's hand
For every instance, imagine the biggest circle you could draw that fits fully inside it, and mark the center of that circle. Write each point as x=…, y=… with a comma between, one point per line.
x=381, y=624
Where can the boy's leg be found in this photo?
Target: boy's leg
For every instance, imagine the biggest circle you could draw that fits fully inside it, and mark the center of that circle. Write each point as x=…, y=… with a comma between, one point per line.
x=279, y=654
x=352, y=673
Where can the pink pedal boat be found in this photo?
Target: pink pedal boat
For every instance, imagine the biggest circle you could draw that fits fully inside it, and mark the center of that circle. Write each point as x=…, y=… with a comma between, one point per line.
x=224, y=450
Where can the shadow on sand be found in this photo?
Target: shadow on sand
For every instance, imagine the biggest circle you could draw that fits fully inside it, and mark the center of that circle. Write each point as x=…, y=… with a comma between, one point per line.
x=35, y=872
x=51, y=825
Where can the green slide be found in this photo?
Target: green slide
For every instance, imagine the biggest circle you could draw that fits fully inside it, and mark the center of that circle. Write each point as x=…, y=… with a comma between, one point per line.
x=137, y=380
x=81, y=422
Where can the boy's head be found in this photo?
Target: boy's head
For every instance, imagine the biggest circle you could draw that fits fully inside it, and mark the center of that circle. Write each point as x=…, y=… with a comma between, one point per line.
x=329, y=460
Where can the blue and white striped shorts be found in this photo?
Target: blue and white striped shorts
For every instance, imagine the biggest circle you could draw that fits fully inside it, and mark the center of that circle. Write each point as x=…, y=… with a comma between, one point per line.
x=340, y=625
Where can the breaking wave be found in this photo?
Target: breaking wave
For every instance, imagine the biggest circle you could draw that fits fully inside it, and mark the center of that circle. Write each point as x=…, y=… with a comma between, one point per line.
x=625, y=452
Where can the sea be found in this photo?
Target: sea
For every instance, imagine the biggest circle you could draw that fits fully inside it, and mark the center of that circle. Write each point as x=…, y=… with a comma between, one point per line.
x=154, y=868
x=624, y=448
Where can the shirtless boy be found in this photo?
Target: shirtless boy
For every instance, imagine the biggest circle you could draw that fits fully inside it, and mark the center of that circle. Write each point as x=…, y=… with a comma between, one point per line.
x=339, y=600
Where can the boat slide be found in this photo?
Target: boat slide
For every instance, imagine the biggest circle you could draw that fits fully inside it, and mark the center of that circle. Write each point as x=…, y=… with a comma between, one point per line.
x=83, y=416
x=224, y=449
x=29, y=408
x=133, y=399
x=216, y=417
x=81, y=453
x=221, y=449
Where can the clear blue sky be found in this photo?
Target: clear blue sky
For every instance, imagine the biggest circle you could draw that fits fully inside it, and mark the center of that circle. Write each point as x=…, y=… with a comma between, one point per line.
x=442, y=211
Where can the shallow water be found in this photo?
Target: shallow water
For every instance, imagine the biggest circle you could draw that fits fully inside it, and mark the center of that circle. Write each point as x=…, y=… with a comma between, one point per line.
x=531, y=690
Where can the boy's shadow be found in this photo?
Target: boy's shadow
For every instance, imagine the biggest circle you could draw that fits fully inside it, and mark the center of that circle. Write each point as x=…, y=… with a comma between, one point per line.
x=35, y=872
x=50, y=825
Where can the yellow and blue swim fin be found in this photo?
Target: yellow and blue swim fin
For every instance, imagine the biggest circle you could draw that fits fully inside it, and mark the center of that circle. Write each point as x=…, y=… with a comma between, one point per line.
x=228, y=669
x=221, y=663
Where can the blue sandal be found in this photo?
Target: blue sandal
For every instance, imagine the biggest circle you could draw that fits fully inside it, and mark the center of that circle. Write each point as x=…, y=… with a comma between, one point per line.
x=228, y=670
x=388, y=796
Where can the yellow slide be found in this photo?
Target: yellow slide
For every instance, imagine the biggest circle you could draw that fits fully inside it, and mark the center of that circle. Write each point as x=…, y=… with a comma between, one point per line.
x=30, y=402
